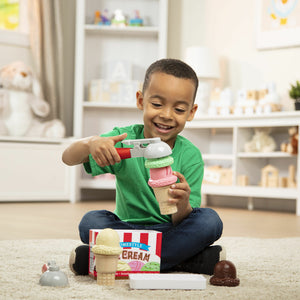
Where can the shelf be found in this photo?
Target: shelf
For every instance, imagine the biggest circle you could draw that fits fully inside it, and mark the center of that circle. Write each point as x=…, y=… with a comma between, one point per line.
x=98, y=184
x=108, y=105
x=275, y=154
x=40, y=140
x=97, y=49
x=33, y=170
x=143, y=30
x=229, y=134
x=217, y=156
x=250, y=191
x=275, y=119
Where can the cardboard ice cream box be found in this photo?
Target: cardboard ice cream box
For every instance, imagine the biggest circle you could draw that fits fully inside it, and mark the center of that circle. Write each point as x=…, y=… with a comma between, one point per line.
x=141, y=252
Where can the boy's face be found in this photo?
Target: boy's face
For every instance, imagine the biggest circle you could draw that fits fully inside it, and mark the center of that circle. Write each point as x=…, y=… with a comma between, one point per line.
x=167, y=104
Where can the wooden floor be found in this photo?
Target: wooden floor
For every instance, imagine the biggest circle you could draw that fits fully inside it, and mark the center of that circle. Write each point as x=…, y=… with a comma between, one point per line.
x=60, y=220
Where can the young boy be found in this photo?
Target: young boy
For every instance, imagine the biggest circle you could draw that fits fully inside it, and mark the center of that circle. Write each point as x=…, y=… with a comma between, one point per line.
x=167, y=102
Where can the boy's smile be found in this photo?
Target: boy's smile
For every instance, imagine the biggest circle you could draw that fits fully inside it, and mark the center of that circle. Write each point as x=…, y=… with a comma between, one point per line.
x=167, y=104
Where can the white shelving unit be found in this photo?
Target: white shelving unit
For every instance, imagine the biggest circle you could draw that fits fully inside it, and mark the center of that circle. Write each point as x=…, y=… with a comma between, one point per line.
x=98, y=45
x=221, y=141
x=32, y=170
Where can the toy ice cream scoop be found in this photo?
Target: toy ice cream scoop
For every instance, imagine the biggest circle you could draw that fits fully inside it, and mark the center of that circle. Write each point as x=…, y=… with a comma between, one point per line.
x=107, y=251
x=53, y=276
x=224, y=274
x=155, y=148
x=161, y=178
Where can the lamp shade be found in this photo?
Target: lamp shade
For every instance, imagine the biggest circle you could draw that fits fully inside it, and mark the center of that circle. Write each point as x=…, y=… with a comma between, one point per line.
x=203, y=61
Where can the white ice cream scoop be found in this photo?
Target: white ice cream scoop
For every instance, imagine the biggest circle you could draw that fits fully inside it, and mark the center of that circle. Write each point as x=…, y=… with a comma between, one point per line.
x=156, y=148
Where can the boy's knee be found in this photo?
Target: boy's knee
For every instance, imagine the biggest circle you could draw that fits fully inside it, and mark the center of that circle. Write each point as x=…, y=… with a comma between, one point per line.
x=213, y=222
x=95, y=219
x=84, y=230
x=218, y=224
x=85, y=225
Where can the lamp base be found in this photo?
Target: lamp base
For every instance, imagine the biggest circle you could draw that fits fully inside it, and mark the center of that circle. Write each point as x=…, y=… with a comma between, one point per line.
x=202, y=98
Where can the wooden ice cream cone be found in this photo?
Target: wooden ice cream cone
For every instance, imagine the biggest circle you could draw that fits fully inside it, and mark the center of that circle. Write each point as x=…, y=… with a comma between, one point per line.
x=162, y=196
x=106, y=278
x=106, y=267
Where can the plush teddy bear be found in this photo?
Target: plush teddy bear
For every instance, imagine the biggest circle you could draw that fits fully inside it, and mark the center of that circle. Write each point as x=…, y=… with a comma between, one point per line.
x=261, y=141
x=21, y=108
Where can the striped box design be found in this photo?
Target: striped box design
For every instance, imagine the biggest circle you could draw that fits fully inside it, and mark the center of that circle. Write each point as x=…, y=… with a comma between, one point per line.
x=141, y=252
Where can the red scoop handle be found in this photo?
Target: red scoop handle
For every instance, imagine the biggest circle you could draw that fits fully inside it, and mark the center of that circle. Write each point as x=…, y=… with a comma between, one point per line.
x=124, y=152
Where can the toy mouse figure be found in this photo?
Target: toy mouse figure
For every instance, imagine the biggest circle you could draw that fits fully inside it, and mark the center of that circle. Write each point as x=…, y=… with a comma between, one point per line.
x=21, y=107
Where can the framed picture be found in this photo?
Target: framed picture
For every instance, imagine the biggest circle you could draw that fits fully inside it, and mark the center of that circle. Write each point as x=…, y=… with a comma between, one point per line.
x=278, y=23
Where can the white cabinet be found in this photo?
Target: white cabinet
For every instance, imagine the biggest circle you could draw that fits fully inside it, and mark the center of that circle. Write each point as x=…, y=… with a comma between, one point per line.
x=221, y=141
x=32, y=170
x=97, y=47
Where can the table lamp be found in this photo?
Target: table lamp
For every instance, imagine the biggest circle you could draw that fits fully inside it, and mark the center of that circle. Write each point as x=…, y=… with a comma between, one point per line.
x=205, y=63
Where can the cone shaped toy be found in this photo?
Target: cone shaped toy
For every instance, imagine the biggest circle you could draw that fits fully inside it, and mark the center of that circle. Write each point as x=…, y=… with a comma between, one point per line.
x=107, y=251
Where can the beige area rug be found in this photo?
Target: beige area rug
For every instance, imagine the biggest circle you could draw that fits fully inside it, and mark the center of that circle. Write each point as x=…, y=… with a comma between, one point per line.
x=267, y=269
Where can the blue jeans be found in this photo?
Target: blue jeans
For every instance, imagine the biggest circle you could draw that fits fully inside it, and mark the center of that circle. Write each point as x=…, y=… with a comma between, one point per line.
x=200, y=229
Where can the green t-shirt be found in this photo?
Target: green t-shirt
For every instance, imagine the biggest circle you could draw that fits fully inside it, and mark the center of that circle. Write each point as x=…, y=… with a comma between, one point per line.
x=135, y=199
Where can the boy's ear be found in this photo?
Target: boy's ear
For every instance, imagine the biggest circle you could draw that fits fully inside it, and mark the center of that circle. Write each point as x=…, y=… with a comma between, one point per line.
x=192, y=112
x=139, y=100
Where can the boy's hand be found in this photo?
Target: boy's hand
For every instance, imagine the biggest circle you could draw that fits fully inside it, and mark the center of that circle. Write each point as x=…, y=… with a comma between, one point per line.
x=180, y=194
x=103, y=149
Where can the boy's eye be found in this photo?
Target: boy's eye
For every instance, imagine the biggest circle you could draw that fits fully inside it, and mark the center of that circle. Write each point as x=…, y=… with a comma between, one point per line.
x=180, y=110
x=156, y=104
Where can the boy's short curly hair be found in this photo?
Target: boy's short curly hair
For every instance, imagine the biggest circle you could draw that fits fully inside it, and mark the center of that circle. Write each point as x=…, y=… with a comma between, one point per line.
x=174, y=67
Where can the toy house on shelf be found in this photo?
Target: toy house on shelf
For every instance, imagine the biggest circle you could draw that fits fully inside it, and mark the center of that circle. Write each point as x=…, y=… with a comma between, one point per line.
x=269, y=176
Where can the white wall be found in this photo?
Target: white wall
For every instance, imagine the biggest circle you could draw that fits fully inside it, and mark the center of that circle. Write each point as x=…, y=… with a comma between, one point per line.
x=229, y=28
x=11, y=53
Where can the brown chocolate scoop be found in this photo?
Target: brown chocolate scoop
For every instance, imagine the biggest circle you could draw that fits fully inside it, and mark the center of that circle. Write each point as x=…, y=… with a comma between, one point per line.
x=224, y=274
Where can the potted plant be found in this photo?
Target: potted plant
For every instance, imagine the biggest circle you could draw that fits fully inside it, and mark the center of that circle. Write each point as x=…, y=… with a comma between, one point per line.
x=295, y=94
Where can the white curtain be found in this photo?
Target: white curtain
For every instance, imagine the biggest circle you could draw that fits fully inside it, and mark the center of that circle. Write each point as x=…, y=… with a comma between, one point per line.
x=45, y=26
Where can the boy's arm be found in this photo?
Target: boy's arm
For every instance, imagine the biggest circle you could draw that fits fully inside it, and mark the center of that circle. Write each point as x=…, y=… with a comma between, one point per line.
x=77, y=153
x=101, y=148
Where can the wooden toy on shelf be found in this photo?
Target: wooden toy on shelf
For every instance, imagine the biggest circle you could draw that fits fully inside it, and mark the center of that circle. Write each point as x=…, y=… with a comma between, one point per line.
x=269, y=100
x=292, y=146
x=221, y=102
x=283, y=182
x=291, y=181
x=217, y=175
x=243, y=180
x=257, y=101
x=269, y=176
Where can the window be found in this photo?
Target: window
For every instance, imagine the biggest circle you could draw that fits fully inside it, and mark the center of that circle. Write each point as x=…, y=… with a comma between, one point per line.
x=14, y=22
x=9, y=14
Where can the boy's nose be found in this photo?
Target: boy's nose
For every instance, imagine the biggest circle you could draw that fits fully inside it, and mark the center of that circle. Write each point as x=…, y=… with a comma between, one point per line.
x=166, y=113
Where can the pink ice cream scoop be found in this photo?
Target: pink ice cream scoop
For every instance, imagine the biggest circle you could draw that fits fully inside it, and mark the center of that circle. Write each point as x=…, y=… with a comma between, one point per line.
x=160, y=171
x=161, y=177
